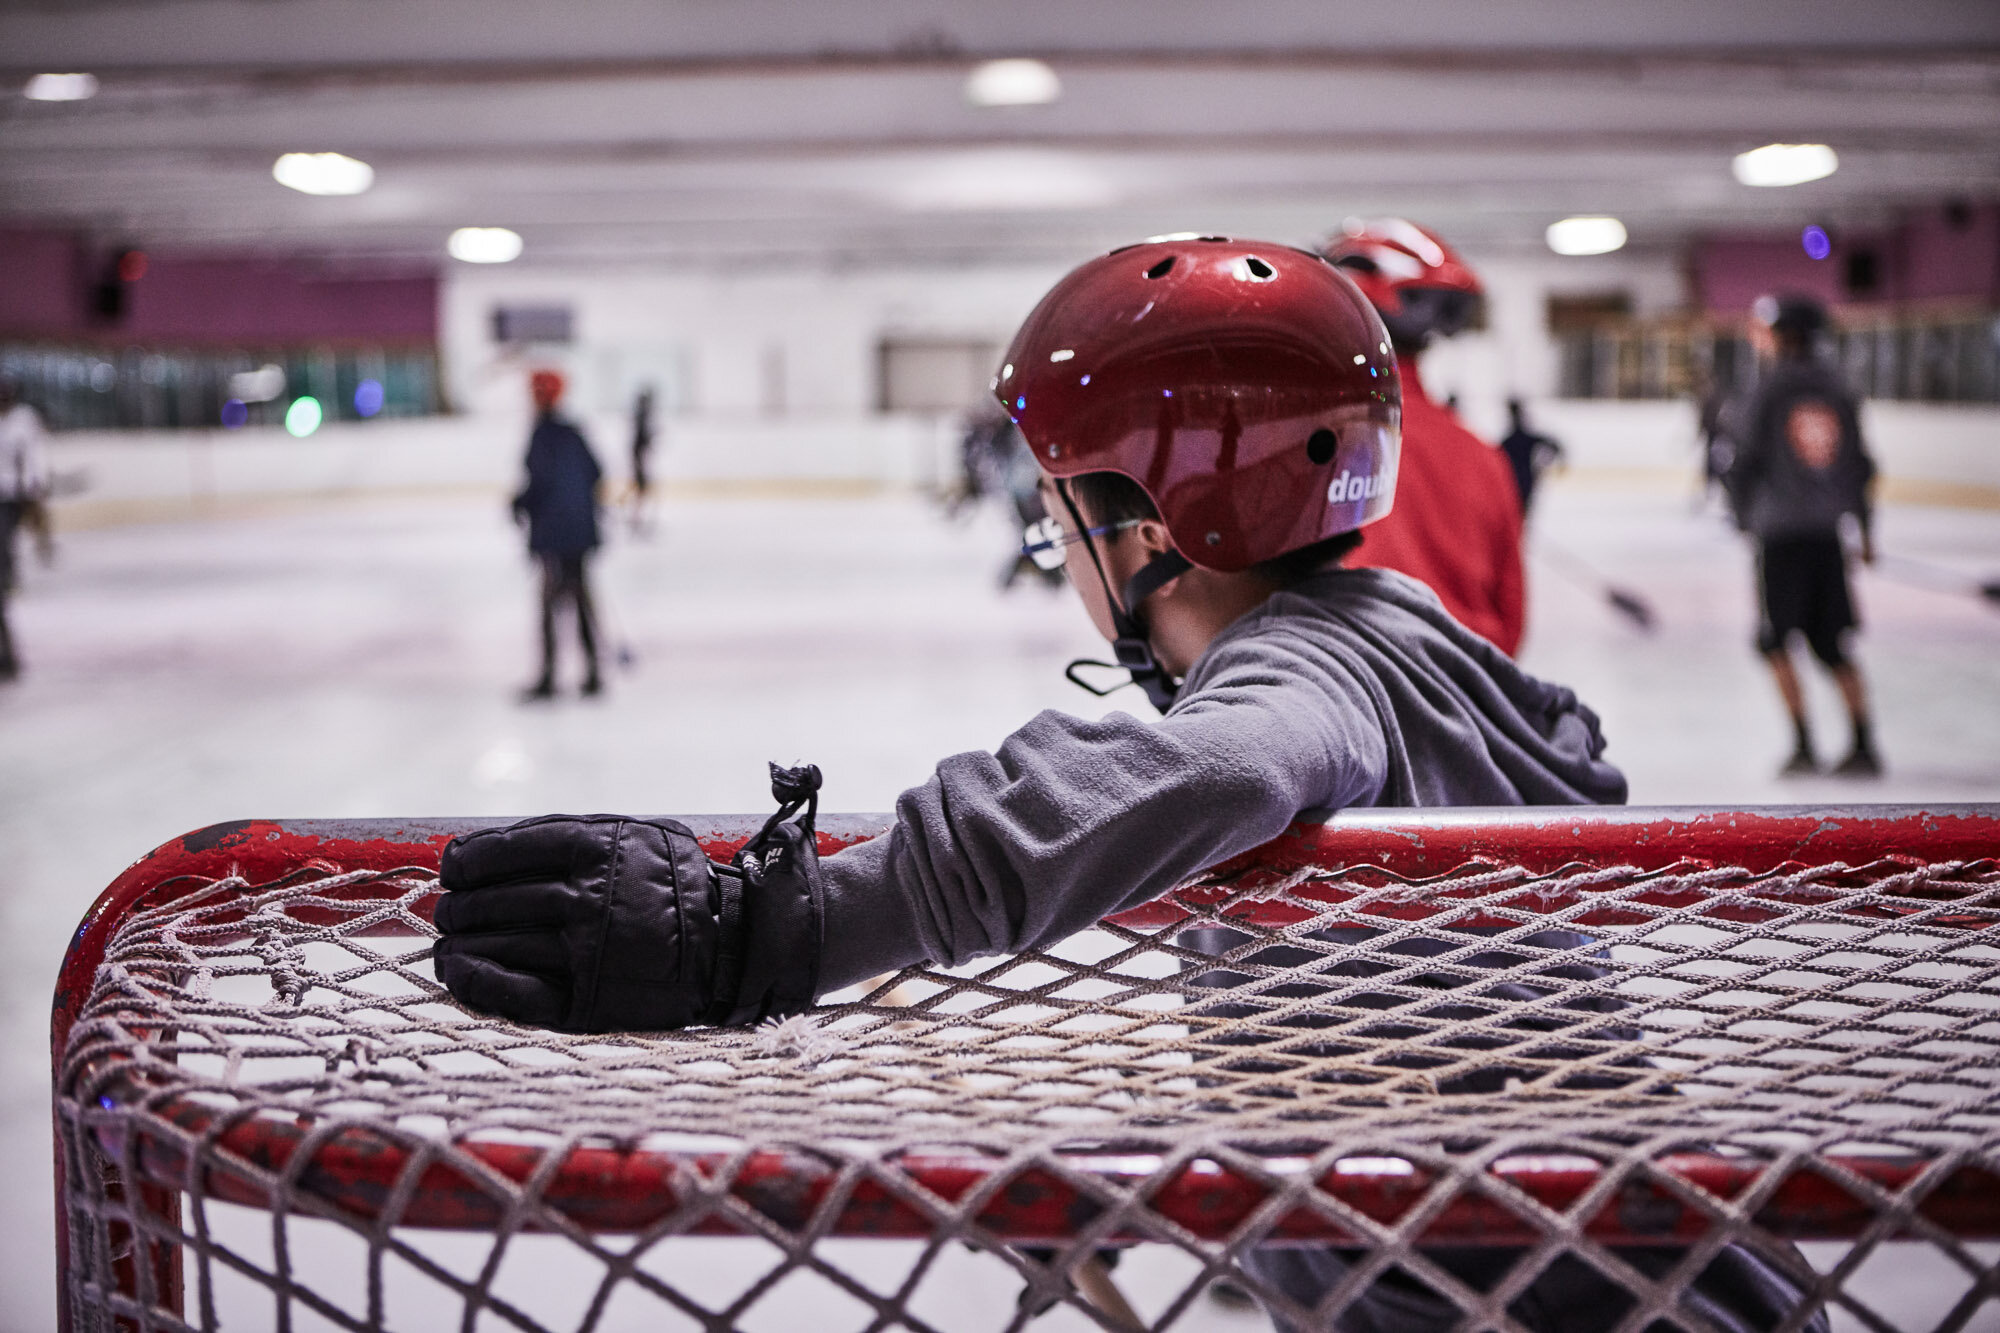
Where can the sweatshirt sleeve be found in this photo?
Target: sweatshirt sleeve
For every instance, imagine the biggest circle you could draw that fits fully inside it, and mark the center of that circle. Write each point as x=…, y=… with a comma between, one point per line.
x=1071, y=820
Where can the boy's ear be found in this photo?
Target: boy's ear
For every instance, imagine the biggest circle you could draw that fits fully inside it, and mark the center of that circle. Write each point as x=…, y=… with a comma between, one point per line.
x=1152, y=534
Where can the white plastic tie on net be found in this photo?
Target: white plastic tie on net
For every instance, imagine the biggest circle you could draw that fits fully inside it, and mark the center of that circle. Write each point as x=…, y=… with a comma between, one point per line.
x=798, y=1037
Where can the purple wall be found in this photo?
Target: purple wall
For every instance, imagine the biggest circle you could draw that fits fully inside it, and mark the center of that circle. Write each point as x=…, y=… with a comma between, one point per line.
x=45, y=281
x=1731, y=272
x=40, y=284
x=189, y=299
x=1928, y=257
x=1941, y=260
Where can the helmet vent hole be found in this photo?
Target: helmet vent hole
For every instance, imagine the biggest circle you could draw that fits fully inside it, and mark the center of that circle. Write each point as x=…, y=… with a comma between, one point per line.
x=1259, y=270
x=1322, y=445
x=1161, y=269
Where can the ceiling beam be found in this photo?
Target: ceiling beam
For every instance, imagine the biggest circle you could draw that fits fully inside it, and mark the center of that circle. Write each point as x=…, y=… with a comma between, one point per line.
x=1784, y=61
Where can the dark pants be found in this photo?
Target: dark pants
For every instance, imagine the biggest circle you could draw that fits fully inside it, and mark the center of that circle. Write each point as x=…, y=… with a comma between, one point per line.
x=640, y=481
x=564, y=579
x=10, y=519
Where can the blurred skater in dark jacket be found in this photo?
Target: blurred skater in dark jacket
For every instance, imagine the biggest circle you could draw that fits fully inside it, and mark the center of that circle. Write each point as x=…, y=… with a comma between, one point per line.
x=1798, y=470
x=559, y=505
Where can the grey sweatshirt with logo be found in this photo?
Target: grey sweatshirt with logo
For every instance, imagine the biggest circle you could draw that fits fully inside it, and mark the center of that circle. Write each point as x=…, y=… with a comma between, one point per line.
x=1776, y=493
x=1353, y=688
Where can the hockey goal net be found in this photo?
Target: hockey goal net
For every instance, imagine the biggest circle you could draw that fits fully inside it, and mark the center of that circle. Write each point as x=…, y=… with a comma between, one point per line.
x=1433, y=1061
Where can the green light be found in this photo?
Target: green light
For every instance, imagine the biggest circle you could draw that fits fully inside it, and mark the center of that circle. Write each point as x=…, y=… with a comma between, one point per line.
x=302, y=418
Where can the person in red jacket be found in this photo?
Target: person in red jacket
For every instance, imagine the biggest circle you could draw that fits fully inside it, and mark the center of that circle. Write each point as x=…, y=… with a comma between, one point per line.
x=1456, y=526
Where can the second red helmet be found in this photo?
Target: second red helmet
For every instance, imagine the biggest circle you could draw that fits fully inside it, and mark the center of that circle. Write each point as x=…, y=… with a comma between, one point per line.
x=1418, y=283
x=1246, y=386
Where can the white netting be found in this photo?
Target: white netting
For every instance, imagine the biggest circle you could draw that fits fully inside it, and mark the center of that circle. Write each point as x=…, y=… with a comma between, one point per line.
x=1447, y=1099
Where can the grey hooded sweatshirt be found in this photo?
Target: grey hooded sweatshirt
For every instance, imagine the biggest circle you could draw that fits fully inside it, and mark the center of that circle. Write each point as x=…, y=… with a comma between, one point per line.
x=1352, y=688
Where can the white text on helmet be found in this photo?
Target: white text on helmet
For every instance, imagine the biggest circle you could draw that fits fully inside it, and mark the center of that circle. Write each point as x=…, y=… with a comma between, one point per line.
x=1348, y=487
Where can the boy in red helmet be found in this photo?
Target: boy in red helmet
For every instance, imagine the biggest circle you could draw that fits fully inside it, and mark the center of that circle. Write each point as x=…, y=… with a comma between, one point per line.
x=1458, y=526
x=1216, y=420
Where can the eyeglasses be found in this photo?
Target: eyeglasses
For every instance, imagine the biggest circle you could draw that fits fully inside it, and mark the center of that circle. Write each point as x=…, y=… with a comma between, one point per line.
x=1044, y=541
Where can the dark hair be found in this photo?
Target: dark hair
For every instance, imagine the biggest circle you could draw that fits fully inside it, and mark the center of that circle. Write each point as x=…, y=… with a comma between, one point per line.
x=1796, y=323
x=1113, y=497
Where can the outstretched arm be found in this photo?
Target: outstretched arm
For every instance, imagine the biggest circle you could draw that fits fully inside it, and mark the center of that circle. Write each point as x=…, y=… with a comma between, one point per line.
x=602, y=923
x=1071, y=820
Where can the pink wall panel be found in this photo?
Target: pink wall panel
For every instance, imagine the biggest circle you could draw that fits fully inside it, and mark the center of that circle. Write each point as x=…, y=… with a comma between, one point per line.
x=1732, y=272
x=46, y=279
x=1935, y=254
x=222, y=299
x=41, y=286
x=1947, y=255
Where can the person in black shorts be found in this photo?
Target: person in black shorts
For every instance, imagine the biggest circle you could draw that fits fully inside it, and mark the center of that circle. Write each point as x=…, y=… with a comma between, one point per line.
x=1799, y=470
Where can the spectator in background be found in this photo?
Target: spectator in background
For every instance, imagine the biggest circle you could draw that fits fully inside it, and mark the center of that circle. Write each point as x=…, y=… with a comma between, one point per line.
x=642, y=449
x=1457, y=522
x=559, y=505
x=1529, y=453
x=996, y=462
x=1798, y=470
x=1715, y=391
x=24, y=480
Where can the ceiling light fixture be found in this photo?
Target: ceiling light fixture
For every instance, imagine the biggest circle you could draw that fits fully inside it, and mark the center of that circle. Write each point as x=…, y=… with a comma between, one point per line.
x=1016, y=82
x=1785, y=164
x=323, y=173
x=60, y=88
x=1586, y=236
x=484, y=245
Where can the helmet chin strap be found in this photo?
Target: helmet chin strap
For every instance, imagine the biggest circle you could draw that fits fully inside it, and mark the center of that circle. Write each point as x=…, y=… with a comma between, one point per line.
x=1132, y=647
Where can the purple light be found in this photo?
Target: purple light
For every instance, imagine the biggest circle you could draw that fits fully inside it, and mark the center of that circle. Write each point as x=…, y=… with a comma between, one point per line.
x=368, y=398
x=1818, y=245
x=234, y=414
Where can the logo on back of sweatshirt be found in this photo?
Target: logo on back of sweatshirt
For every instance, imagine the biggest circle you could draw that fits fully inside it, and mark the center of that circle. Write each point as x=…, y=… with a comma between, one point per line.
x=1349, y=487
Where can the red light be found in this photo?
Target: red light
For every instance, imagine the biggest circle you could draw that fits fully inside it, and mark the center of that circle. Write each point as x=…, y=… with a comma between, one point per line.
x=132, y=266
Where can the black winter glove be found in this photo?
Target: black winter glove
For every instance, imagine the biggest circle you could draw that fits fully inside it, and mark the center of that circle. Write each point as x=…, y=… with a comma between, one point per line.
x=599, y=923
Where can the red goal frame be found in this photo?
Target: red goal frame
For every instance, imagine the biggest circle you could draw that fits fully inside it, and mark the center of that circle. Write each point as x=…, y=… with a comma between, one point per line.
x=616, y=1190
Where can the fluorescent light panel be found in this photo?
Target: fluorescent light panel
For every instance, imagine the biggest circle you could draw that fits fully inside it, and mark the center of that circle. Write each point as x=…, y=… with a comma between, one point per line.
x=484, y=245
x=1586, y=236
x=60, y=88
x=323, y=173
x=1785, y=164
x=1012, y=82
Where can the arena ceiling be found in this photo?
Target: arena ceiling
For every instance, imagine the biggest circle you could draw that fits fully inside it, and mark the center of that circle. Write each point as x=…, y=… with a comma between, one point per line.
x=749, y=131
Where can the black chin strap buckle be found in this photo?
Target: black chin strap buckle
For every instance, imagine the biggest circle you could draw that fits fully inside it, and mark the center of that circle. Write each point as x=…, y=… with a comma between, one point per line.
x=1071, y=673
x=1141, y=668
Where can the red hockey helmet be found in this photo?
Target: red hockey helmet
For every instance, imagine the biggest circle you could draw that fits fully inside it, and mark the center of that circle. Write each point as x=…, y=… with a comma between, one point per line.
x=546, y=388
x=1246, y=386
x=1418, y=283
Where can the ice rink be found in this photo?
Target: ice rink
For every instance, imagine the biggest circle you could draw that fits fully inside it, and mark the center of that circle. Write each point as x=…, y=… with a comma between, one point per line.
x=361, y=657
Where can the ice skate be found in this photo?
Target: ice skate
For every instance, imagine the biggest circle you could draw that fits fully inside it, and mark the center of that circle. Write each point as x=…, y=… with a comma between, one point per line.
x=1861, y=762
